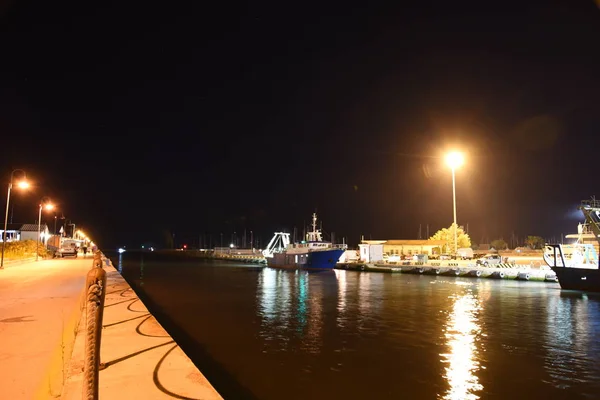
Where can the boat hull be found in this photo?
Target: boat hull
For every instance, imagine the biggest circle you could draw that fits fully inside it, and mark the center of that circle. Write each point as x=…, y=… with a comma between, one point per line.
x=584, y=279
x=319, y=260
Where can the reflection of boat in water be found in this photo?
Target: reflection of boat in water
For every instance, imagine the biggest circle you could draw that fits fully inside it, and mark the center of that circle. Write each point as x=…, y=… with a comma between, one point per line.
x=295, y=306
x=576, y=266
x=312, y=253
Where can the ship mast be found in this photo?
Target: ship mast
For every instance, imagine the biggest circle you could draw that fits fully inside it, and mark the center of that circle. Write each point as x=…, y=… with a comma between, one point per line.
x=315, y=234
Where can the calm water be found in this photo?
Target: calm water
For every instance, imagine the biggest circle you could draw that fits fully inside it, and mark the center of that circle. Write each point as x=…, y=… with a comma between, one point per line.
x=279, y=334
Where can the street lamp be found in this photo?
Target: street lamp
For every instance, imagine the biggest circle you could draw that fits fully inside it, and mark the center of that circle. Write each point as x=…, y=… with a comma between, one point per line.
x=21, y=184
x=46, y=206
x=454, y=160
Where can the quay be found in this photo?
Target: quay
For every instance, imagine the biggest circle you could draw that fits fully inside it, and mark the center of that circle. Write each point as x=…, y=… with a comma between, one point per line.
x=465, y=268
x=238, y=255
x=43, y=336
x=531, y=270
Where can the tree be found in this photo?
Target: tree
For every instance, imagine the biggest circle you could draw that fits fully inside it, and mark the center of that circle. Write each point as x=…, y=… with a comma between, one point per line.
x=499, y=244
x=535, y=242
x=447, y=235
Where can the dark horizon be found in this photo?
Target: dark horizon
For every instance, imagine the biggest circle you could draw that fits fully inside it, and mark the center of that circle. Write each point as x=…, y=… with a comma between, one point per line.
x=200, y=118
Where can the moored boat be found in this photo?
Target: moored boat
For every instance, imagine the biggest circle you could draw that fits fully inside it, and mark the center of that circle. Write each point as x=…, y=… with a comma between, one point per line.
x=312, y=253
x=577, y=266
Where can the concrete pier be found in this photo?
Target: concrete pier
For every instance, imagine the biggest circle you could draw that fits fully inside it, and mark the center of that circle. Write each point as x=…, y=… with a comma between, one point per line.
x=141, y=360
x=458, y=268
x=41, y=306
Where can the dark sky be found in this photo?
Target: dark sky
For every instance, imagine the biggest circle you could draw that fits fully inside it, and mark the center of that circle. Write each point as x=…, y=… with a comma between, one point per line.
x=215, y=117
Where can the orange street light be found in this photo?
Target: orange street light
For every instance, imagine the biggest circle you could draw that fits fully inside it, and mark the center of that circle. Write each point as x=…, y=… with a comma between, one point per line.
x=22, y=184
x=454, y=160
x=46, y=206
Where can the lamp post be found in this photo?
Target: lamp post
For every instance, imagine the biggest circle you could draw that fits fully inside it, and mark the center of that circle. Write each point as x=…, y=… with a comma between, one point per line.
x=47, y=206
x=22, y=184
x=454, y=160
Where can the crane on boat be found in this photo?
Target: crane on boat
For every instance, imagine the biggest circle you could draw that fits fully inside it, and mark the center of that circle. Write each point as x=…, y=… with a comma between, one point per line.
x=278, y=243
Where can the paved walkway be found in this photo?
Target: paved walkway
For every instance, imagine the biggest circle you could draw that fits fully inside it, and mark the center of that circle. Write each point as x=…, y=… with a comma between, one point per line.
x=42, y=358
x=39, y=301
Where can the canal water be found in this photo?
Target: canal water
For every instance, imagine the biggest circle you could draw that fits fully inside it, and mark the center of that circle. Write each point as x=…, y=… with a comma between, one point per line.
x=262, y=333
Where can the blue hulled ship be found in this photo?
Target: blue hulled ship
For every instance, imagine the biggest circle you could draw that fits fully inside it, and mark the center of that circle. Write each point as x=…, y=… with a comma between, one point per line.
x=312, y=253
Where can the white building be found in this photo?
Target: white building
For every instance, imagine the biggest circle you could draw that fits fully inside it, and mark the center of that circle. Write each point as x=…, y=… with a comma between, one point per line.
x=16, y=232
x=373, y=250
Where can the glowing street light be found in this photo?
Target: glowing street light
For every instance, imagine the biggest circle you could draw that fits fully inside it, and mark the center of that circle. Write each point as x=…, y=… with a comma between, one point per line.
x=21, y=184
x=46, y=206
x=454, y=160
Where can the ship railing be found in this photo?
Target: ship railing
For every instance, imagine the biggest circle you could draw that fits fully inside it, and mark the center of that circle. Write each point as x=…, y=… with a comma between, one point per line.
x=593, y=203
x=340, y=246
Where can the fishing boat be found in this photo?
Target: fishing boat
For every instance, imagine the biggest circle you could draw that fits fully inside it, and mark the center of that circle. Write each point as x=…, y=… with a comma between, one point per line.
x=576, y=266
x=312, y=253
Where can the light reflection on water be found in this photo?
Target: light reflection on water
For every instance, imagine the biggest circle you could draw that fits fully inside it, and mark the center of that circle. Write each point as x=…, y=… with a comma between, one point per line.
x=120, y=263
x=462, y=332
x=357, y=335
x=571, y=340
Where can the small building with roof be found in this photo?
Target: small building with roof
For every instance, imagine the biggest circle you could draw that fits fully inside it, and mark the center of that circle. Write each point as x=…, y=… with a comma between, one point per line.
x=373, y=250
x=22, y=232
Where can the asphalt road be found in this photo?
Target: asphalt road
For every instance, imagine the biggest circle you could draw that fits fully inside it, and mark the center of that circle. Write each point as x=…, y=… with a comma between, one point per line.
x=36, y=301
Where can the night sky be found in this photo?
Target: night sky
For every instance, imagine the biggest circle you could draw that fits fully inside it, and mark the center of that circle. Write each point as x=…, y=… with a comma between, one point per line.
x=214, y=117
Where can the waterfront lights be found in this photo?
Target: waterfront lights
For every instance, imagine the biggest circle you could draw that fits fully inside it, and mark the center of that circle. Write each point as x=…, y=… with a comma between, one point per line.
x=21, y=184
x=454, y=160
x=46, y=205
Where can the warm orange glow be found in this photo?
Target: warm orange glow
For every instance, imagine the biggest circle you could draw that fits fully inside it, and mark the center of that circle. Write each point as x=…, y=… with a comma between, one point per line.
x=49, y=206
x=462, y=332
x=455, y=159
x=23, y=184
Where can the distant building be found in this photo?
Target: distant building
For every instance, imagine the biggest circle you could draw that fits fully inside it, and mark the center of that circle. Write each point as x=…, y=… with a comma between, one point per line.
x=372, y=251
x=407, y=247
x=21, y=232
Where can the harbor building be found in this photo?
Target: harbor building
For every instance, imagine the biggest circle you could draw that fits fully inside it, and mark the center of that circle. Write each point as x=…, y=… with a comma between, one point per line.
x=373, y=250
